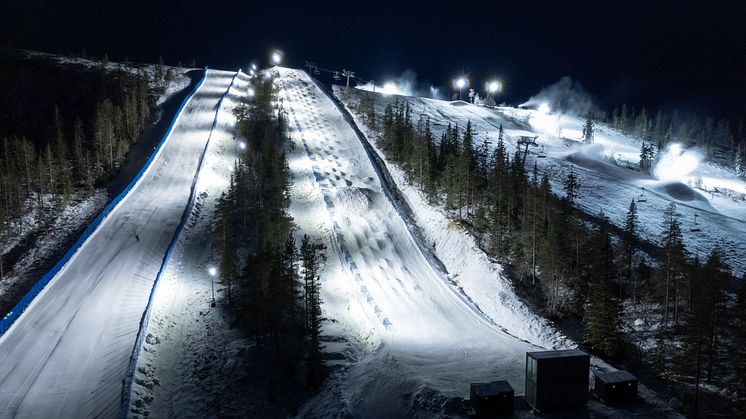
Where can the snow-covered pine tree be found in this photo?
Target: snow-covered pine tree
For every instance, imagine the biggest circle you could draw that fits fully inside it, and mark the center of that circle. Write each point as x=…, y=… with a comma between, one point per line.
x=588, y=129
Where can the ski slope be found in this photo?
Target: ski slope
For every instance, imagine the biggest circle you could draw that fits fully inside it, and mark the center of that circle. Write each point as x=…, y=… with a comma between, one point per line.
x=606, y=183
x=184, y=331
x=421, y=342
x=67, y=355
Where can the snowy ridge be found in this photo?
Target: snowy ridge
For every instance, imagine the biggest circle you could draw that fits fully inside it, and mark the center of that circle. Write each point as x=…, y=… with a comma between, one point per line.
x=127, y=388
x=19, y=308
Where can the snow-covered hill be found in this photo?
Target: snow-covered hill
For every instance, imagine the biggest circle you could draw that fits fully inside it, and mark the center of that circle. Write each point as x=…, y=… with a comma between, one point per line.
x=607, y=171
x=68, y=353
x=409, y=336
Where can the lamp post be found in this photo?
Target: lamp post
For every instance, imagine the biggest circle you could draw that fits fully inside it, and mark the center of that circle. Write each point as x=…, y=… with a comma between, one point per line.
x=460, y=83
x=493, y=87
x=212, y=271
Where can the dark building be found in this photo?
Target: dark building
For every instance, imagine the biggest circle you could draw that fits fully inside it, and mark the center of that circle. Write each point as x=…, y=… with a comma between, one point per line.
x=557, y=379
x=493, y=399
x=616, y=387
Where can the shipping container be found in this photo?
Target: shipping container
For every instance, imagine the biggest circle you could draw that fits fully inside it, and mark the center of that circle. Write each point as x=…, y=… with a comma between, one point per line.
x=616, y=387
x=493, y=399
x=557, y=379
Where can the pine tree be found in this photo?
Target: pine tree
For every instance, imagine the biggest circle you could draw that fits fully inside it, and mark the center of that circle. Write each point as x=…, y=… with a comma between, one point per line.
x=705, y=316
x=672, y=256
x=646, y=157
x=63, y=169
x=571, y=185
x=602, y=314
x=159, y=71
x=588, y=131
x=311, y=254
x=80, y=165
x=629, y=242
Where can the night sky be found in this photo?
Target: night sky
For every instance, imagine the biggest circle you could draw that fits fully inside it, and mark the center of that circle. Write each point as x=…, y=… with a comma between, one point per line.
x=686, y=55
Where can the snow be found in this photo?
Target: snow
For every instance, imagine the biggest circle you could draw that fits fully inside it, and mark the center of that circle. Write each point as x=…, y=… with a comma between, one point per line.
x=69, y=218
x=83, y=206
x=70, y=349
x=482, y=281
x=417, y=341
x=606, y=183
x=190, y=348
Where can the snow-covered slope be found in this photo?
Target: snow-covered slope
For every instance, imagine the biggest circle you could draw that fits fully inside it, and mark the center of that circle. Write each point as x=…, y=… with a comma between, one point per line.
x=418, y=340
x=185, y=334
x=67, y=355
x=606, y=183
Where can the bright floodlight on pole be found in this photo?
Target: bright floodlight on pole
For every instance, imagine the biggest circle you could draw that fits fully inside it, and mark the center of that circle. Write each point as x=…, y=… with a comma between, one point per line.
x=494, y=87
x=276, y=57
x=460, y=83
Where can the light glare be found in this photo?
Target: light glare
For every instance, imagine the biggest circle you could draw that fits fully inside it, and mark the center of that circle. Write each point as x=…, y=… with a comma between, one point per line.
x=494, y=86
x=276, y=57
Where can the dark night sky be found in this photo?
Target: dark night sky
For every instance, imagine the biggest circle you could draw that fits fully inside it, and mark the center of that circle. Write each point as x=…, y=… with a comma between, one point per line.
x=688, y=55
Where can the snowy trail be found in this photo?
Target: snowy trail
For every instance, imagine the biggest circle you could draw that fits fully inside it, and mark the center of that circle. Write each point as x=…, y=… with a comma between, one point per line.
x=67, y=355
x=184, y=330
x=433, y=342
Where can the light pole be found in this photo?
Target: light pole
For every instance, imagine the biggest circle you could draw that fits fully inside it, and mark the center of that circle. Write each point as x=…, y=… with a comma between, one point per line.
x=212, y=271
x=493, y=87
x=460, y=83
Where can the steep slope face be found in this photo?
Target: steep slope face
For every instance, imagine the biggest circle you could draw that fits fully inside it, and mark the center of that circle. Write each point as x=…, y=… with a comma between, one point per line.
x=420, y=342
x=606, y=183
x=186, y=337
x=67, y=355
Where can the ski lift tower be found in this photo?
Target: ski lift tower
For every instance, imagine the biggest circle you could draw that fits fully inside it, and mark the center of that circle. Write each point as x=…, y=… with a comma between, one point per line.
x=348, y=74
x=311, y=66
x=527, y=140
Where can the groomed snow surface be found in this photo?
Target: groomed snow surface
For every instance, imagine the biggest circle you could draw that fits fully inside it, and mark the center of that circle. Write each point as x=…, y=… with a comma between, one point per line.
x=412, y=339
x=186, y=363
x=67, y=355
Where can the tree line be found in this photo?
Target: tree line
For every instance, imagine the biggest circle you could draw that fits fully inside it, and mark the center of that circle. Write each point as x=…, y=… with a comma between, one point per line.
x=660, y=129
x=575, y=265
x=79, y=153
x=271, y=283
